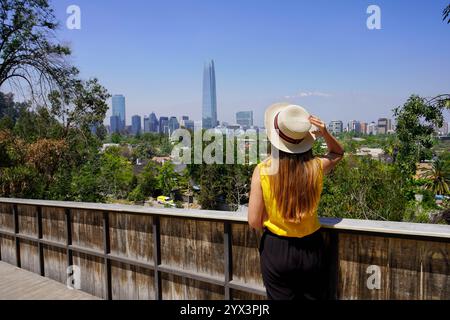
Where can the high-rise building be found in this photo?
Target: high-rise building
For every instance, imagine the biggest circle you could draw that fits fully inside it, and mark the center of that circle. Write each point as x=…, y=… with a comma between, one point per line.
x=383, y=125
x=173, y=124
x=136, y=125
x=115, y=124
x=354, y=126
x=118, y=109
x=336, y=127
x=146, y=124
x=154, y=123
x=363, y=127
x=209, y=106
x=186, y=123
x=244, y=118
x=372, y=128
x=164, y=125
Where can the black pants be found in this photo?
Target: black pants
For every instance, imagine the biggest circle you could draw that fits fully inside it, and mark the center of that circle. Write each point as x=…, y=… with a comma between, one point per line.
x=293, y=268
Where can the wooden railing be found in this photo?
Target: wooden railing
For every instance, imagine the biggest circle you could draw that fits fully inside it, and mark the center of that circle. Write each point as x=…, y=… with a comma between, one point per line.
x=135, y=252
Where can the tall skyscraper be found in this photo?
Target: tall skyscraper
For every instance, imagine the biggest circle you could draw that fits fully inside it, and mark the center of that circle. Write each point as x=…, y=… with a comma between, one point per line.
x=209, y=106
x=115, y=124
x=154, y=123
x=164, y=125
x=118, y=109
x=173, y=124
x=146, y=124
x=244, y=118
x=136, y=125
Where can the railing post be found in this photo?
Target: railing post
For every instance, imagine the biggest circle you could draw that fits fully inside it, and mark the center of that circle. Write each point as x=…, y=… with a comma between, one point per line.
x=156, y=232
x=228, y=259
x=333, y=272
x=107, y=250
x=39, y=236
x=69, y=237
x=16, y=232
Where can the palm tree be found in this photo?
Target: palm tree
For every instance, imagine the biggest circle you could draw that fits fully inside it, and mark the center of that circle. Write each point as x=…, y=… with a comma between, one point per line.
x=439, y=177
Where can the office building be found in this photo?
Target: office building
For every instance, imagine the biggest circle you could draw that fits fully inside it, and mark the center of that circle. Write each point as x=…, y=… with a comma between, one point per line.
x=244, y=118
x=118, y=109
x=363, y=126
x=354, y=126
x=173, y=124
x=336, y=127
x=115, y=124
x=164, y=125
x=372, y=128
x=136, y=125
x=383, y=125
x=209, y=104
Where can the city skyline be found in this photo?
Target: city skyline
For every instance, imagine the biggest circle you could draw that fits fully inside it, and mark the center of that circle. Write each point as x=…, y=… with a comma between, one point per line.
x=325, y=60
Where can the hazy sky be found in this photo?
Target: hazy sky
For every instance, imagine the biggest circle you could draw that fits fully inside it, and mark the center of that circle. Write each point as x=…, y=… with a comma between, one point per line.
x=319, y=54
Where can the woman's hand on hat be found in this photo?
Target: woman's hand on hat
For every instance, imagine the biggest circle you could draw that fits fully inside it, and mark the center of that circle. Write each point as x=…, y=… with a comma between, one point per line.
x=320, y=125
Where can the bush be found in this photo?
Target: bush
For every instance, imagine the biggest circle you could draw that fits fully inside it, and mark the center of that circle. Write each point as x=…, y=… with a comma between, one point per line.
x=363, y=188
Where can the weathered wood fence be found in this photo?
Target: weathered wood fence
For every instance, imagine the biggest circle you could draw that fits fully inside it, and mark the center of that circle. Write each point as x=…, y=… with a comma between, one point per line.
x=135, y=252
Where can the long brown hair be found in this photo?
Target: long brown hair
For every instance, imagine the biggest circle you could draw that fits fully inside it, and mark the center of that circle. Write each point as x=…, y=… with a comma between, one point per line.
x=297, y=185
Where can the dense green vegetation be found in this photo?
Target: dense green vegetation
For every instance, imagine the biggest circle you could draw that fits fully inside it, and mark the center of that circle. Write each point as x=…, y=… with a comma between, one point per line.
x=48, y=151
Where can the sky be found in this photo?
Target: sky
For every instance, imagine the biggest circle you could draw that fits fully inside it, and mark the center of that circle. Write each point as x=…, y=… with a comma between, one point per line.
x=318, y=54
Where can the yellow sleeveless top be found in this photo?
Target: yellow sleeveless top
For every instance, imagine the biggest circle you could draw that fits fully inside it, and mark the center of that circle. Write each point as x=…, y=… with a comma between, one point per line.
x=275, y=221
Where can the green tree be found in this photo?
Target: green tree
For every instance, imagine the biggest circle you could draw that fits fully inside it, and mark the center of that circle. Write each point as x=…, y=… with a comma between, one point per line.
x=416, y=120
x=149, y=179
x=363, y=188
x=439, y=177
x=167, y=178
x=30, y=55
x=446, y=14
x=116, y=173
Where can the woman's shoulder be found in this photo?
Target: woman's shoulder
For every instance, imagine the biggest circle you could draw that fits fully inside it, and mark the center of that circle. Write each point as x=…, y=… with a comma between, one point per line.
x=264, y=165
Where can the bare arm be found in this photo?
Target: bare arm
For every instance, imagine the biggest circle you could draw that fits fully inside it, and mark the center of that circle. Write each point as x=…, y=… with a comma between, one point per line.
x=256, y=207
x=335, y=149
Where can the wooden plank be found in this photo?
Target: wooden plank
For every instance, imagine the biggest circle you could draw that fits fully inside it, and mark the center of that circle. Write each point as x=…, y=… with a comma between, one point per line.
x=29, y=256
x=54, y=224
x=436, y=271
x=179, y=288
x=131, y=283
x=18, y=284
x=356, y=254
x=27, y=220
x=193, y=245
x=246, y=263
x=6, y=217
x=87, y=229
x=131, y=236
x=92, y=272
x=8, y=249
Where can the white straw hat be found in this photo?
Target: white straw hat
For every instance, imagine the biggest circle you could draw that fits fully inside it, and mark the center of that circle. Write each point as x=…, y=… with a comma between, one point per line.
x=288, y=128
